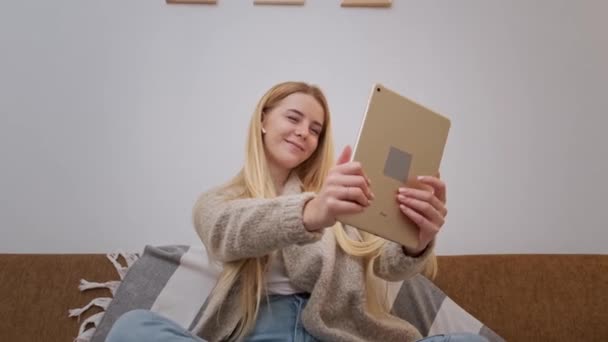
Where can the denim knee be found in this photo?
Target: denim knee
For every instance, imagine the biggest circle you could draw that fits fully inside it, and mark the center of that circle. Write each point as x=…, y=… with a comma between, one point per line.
x=464, y=337
x=131, y=326
x=458, y=337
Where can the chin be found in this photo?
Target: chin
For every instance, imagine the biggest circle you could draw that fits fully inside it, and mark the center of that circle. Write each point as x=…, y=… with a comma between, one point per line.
x=289, y=162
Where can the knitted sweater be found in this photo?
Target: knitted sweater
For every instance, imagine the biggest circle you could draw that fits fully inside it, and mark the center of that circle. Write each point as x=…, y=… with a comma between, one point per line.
x=336, y=311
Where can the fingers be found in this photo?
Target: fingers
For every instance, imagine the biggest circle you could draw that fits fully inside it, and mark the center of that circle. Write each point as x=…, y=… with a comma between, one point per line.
x=345, y=155
x=428, y=230
x=426, y=196
x=423, y=208
x=350, y=174
x=351, y=181
x=338, y=207
x=340, y=200
x=438, y=186
x=350, y=168
x=346, y=189
x=418, y=219
x=351, y=194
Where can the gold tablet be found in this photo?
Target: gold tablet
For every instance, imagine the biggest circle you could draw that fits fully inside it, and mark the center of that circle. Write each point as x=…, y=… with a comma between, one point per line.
x=398, y=141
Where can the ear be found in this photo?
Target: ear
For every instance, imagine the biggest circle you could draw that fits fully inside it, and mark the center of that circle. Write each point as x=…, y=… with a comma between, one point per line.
x=262, y=122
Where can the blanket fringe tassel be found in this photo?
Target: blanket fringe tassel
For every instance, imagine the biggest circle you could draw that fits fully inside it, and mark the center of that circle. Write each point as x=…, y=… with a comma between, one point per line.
x=85, y=333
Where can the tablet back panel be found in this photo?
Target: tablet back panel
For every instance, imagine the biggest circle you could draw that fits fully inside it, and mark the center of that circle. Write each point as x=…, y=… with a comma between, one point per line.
x=398, y=141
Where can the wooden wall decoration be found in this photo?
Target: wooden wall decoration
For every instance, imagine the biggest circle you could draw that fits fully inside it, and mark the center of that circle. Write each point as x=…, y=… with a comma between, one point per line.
x=206, y=2
x=278, y=2
x=345, y=3
x=366, y=3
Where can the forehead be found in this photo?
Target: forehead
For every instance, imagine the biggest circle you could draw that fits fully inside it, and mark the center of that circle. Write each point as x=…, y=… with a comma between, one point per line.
x=306, y=104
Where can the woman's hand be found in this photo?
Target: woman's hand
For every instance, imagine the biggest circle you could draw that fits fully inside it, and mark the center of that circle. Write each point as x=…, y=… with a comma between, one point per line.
x=346, y=190
x=426, y=208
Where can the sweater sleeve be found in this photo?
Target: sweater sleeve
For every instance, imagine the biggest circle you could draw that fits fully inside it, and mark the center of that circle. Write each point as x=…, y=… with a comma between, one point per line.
x=246, y=228
x=394, y=265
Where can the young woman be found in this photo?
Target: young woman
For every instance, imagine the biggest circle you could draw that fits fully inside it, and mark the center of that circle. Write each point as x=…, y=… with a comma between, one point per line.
x=291, y=272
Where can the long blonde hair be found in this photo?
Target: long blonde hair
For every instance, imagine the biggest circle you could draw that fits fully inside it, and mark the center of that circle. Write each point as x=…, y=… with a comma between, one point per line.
x=255, y=179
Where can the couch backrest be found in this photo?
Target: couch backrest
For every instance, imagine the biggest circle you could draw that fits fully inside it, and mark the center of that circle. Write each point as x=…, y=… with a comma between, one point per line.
x=520, y=297
x=532, y=297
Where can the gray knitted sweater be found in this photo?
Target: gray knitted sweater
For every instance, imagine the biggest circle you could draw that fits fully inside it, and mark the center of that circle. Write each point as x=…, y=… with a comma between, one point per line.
x=244, y=228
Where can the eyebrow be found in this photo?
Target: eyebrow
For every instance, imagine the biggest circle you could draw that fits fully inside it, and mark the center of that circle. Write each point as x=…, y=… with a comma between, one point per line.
x=302, y=114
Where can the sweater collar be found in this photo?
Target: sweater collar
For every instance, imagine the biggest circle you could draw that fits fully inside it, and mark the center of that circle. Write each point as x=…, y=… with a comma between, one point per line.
x=293, y=185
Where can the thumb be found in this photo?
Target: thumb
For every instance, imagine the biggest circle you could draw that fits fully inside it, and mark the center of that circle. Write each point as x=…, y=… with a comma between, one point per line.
x=345, y=155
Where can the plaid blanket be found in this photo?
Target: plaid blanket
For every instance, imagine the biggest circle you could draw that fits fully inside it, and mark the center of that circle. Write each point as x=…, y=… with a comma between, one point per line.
x=174, y=281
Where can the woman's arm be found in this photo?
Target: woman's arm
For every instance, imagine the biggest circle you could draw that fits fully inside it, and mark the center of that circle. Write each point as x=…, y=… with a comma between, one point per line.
x=393, y=264
x=246, y=228
x=426, y=208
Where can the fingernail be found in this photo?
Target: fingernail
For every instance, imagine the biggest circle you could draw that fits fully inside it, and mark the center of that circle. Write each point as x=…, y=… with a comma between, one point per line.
x=421, y=178
x=401, y=197
x=403, y=190
x=369, y=181
x=371, y=194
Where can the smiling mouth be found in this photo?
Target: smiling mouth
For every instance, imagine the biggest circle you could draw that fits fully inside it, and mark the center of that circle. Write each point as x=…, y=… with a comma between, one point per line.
x=296, y=145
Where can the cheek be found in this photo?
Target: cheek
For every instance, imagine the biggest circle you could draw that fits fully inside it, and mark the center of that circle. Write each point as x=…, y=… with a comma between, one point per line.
x=270, y=141
x=282, y=127
x=314, y=145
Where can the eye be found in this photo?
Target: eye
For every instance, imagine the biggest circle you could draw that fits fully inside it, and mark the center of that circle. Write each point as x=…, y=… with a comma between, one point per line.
x=292, y=118
x=316, y=131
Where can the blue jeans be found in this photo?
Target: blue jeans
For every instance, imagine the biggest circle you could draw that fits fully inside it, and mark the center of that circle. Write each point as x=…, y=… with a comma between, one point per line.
x=144, y=325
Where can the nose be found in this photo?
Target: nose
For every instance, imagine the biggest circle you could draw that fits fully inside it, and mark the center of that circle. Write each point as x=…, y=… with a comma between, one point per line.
x=301, y=132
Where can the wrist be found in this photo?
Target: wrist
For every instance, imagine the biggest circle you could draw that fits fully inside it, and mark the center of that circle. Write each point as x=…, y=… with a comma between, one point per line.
x=414, y=253
x=308, y=216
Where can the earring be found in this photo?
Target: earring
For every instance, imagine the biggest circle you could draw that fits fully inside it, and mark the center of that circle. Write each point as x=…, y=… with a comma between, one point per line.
x=263, y=130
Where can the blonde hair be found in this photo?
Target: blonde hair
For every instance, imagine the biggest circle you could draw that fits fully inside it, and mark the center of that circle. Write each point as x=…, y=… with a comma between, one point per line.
x=256, y=181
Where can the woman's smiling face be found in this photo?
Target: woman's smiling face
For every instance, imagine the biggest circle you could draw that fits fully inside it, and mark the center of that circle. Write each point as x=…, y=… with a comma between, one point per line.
x=292, y=130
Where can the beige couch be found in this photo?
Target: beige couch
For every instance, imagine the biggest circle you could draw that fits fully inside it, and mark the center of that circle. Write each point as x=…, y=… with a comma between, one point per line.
x=520, y=297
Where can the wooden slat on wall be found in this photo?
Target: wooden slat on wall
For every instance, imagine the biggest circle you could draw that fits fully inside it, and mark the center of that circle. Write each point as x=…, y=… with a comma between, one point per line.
x=278, y=2
x=366, y=3
x=206, y=2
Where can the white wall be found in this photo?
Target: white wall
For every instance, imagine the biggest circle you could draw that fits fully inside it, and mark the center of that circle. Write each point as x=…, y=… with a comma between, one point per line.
x=116, y=115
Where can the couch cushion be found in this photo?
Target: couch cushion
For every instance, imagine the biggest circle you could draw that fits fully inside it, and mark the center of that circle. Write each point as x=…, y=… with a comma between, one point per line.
x=174, y=281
